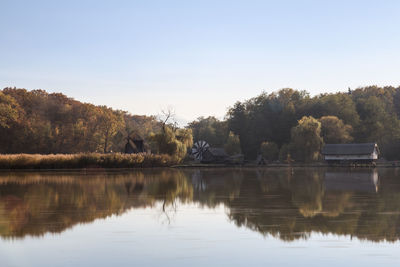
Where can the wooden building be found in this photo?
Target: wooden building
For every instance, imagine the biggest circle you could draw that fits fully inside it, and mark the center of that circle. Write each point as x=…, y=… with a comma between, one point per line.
x=357, y=153
x=135, y=144
x=214, y=155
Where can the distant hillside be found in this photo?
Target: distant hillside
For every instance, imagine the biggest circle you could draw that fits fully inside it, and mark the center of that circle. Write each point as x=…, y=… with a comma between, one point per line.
x=40, y=122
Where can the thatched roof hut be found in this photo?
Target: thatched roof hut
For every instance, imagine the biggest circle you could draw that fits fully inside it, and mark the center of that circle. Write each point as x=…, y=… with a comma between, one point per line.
x=135, y=144
x=215, y=155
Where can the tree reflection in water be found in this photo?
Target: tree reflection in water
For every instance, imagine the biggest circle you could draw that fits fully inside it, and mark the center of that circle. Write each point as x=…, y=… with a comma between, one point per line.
x=284, y=203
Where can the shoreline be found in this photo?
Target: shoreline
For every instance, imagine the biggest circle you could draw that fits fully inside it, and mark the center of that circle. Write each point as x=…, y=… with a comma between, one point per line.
x=293, y=165
x=120, y=161
x=95, y=169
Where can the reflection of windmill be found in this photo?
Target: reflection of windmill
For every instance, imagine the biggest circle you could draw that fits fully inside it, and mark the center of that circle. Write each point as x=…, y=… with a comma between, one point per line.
x=199, y=148
x=198, y=182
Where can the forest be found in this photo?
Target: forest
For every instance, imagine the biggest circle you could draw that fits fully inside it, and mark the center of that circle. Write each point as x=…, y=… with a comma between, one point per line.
x=291, y=125
x=37, y=122
x=287, y=125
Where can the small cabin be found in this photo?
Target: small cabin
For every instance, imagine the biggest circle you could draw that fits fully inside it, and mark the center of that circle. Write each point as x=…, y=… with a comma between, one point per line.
x=214, y=155
x=359, y=153
x=135, y=144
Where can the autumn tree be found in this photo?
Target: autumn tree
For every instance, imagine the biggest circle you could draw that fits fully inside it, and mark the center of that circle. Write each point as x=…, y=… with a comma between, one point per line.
x=40, y=122
x=9, y=111
x=108, y=124
x=334, y=131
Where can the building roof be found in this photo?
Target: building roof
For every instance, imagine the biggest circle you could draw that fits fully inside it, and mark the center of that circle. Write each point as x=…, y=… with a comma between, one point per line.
x=349, y=149
x=217, y=152
x=132, y=144
x=134, y=137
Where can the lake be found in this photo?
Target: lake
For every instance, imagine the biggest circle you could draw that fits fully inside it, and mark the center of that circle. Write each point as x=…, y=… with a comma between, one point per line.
x=199, y=217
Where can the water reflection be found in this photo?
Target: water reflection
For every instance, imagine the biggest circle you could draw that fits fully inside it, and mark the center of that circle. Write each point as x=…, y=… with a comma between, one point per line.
x=359, y=181
x=286, y=203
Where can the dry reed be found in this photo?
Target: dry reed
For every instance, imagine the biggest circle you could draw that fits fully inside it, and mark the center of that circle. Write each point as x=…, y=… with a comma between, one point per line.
x=85, y=160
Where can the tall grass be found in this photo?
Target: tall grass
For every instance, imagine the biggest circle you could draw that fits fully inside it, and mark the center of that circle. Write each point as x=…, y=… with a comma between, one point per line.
x=85, y=160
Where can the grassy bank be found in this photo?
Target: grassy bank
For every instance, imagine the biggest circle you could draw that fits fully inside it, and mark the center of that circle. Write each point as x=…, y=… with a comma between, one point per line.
x=85, y=160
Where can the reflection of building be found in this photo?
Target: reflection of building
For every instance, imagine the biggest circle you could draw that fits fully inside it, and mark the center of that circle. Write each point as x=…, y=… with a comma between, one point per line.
x=352, y=181
x=198, y=182
x=351, y=152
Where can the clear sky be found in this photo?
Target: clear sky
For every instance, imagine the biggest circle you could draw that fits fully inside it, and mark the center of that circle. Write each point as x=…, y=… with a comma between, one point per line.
x=196, y=56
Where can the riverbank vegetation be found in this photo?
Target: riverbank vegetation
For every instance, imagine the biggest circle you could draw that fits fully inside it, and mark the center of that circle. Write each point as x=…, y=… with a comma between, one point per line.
x=85, y=160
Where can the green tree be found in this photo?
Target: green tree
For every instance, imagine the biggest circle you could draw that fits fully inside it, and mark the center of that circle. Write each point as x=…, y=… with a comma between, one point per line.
x=340, y=105
x=232, y=145
x=284, y=153
x=211, y=130
x=306, y=140
x=269, y=150
x=238, y=123
x=174, y=143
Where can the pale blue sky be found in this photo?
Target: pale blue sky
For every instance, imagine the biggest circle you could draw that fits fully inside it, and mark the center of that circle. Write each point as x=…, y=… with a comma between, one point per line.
x=197, y=56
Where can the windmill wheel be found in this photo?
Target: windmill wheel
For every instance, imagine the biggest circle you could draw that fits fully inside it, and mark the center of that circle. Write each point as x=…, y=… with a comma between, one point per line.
x=199, y=148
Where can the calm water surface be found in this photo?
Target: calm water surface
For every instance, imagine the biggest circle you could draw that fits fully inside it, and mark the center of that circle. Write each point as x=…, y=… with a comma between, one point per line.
x=214, y=217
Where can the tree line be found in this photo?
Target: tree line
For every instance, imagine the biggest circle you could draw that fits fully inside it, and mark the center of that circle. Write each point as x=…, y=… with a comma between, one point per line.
x=51, y=123
x=292, y=125
x=285, y=125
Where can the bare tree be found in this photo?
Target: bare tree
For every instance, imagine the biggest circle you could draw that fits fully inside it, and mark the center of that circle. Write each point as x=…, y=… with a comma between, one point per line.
x=167, y=116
